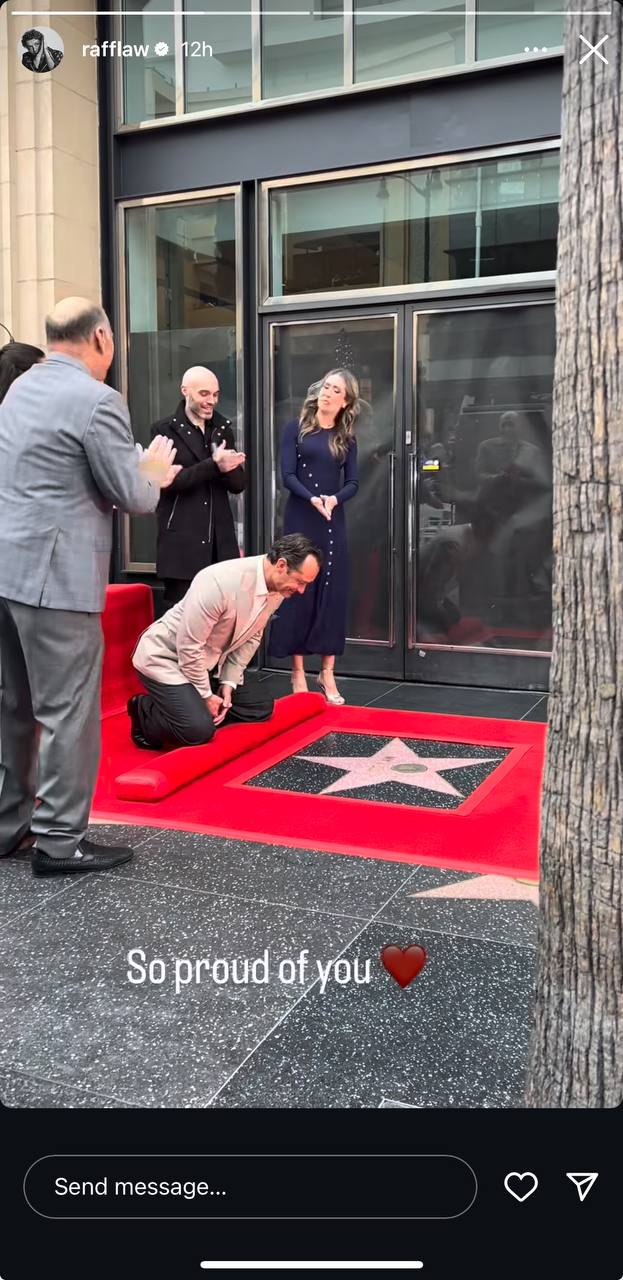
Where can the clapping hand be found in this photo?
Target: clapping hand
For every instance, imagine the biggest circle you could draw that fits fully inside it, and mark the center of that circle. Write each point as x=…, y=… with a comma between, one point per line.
x=227, y=459
x=156, y=462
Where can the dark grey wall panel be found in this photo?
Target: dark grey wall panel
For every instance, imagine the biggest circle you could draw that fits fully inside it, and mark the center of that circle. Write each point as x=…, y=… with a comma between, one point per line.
x=492, y=108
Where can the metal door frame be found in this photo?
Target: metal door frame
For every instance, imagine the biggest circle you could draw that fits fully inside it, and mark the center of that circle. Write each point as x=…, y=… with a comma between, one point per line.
x=361, y=657
x=446, y=663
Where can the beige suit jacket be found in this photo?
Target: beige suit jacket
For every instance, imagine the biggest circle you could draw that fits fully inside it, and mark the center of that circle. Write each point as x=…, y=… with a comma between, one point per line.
x=217, y=626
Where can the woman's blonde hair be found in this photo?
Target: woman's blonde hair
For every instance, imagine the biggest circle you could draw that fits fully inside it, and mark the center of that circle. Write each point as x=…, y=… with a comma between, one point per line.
x=346, y=418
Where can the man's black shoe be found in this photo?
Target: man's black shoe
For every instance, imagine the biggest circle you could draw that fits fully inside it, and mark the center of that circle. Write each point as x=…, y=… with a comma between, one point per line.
x=87, y=857
x=135, y=726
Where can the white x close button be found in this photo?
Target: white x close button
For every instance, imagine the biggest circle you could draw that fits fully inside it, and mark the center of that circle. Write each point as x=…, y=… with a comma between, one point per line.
x=593, y=49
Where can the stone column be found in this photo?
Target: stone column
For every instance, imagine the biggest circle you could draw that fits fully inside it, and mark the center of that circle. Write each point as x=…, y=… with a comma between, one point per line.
x=49, y=181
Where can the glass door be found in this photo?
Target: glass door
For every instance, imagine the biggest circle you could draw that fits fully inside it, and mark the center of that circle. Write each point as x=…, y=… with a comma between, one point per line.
x=450, y=533
x=479, y=496
x=371, y=345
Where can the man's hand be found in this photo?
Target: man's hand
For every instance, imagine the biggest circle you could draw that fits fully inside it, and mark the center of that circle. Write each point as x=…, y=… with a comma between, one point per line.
x=318, y=503
x=227, y=459
x=156, y=462
x=214, y=704
x=225, y=694
x=330, y=503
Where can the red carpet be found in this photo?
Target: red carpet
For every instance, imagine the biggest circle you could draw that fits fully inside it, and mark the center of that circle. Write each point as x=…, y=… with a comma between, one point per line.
x=495, y=829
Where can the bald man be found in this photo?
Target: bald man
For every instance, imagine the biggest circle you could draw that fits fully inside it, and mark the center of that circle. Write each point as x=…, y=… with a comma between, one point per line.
x=195, y=522
x=67, y=456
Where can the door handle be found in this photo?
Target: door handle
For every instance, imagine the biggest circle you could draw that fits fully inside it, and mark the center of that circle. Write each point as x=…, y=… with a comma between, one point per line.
x=411, y=497
x=391, y=547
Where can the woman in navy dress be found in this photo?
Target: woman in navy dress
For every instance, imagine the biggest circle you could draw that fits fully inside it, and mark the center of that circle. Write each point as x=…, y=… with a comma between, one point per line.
x=319, y=467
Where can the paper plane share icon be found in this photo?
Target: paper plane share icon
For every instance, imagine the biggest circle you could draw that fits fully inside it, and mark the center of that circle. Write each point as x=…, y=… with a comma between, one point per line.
x=583, y=1182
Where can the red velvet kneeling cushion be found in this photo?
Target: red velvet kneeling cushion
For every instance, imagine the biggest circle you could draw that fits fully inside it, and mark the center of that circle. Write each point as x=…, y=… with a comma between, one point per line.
x=176, y=768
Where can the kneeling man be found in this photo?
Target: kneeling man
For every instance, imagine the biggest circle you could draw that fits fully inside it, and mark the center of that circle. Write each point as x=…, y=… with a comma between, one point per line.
x=213, y=632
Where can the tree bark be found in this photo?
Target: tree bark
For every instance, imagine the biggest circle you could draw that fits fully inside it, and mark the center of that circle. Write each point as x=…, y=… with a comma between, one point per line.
x=576, y=1054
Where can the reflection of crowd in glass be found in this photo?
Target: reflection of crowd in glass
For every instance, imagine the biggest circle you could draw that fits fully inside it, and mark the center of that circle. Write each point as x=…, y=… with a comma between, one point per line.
x=490, y=561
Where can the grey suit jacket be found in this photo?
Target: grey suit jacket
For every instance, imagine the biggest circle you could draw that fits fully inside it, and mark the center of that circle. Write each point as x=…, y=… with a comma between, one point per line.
x=217, y=626
x=67, y=456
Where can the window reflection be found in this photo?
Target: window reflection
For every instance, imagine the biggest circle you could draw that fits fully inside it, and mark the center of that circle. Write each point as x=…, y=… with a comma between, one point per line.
x=149, y=79
x=181, y=289
x=224, y=79
x=302, y=47
x=454, y=222
x=394, y=39
x=302, y=52
x=484, y=514
x=510, y=28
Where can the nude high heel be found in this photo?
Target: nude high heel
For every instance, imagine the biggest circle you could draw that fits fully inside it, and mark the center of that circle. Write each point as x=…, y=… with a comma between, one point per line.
x=335, y=699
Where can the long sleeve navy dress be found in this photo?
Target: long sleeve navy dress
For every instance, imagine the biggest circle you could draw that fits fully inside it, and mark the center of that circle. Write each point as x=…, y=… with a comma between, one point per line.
x=315, y=623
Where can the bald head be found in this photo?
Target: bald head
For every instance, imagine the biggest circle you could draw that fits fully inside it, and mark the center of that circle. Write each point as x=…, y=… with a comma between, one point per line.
x=80, y=328
x=200, y=390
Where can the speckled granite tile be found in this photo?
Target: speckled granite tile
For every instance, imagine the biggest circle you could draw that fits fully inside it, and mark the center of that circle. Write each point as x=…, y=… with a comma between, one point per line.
x=20, y=1090
x=21, y=892
x=505, y=704
x=357, y=691
x=265, y=873
x=478, y=1073
x=70, y=1015
x=492, y=916
x=353, y=1044
x=538, y=714
x=118, y=833
x=389, y=770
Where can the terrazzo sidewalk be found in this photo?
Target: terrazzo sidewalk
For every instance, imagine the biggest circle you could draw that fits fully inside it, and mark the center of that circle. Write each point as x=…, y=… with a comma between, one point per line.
x=76, y=1032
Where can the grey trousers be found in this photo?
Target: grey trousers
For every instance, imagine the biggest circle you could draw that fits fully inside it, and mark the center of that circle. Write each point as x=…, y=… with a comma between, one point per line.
x=50, y=678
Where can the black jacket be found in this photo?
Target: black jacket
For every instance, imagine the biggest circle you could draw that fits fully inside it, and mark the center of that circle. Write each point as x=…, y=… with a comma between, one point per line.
x=194, y=514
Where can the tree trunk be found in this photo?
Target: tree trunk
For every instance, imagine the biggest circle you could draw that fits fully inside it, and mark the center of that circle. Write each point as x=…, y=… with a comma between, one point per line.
x=577, y=1055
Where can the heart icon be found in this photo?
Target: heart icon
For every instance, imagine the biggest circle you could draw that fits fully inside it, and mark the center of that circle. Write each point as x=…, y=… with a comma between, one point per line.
x=404, y=963
x=517, y=1179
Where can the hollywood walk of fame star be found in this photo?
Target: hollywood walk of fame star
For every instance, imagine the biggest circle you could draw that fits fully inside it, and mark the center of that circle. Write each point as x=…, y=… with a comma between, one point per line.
x=491, y=887
x=396, y=762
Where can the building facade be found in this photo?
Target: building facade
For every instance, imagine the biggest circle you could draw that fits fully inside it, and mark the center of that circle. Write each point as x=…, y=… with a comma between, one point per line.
x=371, y=186
x=49, y=174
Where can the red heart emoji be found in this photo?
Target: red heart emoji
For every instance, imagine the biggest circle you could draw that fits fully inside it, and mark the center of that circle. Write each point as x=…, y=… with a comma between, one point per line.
x=404, y=963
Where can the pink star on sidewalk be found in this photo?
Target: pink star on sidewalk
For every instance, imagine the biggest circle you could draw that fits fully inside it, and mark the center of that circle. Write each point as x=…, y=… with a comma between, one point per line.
x=396, y=762
x=499, y=888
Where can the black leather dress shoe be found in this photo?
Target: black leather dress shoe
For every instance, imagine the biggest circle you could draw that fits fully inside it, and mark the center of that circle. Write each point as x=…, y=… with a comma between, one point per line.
x=135, y=726
x=87, y=857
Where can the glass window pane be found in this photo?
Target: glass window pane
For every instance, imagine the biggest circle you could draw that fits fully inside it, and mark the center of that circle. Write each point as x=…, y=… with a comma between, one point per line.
x=224, y=78
x=394, y=39
x=149, y=78
x=181, y=290
x=440, y=224
x=302, y=53
x=540, y=26
x=519, y=203
x=484, y=509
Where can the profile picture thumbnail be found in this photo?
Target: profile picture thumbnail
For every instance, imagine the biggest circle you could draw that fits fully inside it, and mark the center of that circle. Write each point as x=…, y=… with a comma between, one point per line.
x=41, y=49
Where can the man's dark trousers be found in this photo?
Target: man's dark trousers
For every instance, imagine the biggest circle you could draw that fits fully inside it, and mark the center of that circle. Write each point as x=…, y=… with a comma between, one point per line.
x=177, y=714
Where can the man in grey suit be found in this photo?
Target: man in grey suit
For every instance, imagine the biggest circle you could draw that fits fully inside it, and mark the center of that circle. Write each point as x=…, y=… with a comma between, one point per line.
x=67, y=456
